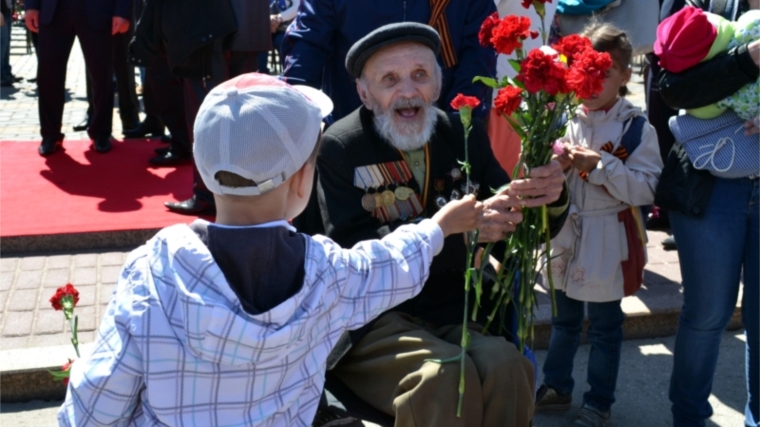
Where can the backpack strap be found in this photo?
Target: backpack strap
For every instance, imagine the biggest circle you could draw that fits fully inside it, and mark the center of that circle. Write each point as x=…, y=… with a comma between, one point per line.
x=720, y=7
x=632, y=137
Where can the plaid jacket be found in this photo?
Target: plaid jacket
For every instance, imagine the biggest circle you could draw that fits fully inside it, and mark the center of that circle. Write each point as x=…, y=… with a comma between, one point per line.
x=176, y=348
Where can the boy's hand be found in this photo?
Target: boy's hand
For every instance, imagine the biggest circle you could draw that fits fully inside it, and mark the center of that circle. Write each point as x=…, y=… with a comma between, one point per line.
x=584, y=159
x=459, y=216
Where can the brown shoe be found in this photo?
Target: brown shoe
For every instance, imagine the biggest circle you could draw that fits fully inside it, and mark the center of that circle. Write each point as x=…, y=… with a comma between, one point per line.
x=547, y=399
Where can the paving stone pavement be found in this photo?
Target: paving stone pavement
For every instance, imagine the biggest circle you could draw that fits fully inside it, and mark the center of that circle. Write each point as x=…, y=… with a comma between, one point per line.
x=27, y=319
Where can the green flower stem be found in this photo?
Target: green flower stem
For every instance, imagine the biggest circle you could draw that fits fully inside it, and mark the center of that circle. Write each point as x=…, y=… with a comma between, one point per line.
x=545, y=214
x=73, y=324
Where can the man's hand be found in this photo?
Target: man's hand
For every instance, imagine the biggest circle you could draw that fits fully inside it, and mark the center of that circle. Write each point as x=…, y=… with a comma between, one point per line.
x=32, y=19
x=119, y=25
x=543, y=187
x=584, y=159
x=502, y=214
x=752, y=126
x=754, y=52
x=274, y=23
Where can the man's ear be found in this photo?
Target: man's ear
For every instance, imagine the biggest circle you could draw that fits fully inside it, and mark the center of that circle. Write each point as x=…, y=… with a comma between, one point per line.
x=361, y=89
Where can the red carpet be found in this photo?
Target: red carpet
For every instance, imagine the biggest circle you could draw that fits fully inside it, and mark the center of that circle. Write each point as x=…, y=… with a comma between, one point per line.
x=79, y=190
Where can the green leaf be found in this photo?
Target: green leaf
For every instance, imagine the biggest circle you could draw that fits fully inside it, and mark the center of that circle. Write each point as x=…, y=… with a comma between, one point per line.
x=500, y=189
x=492, y=83
x=515, y=65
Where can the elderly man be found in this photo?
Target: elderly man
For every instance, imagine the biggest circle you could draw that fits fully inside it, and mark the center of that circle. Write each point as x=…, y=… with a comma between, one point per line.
x=395, y=160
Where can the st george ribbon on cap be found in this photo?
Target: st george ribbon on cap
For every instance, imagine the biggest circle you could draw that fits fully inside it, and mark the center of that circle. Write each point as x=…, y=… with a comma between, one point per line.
x=258, y=127
x=388, y=35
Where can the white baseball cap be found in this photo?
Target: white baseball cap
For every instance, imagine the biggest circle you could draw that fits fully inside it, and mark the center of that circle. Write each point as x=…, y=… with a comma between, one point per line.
x=258, y=127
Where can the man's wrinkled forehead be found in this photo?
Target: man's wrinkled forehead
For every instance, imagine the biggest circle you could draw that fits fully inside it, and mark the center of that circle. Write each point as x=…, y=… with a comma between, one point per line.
x=399, y=57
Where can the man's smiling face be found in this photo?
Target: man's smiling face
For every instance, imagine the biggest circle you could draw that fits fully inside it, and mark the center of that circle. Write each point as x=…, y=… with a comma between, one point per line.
x=399, y=84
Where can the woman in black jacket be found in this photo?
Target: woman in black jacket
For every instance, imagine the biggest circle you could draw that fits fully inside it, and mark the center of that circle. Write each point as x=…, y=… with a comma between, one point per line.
x=715, y=222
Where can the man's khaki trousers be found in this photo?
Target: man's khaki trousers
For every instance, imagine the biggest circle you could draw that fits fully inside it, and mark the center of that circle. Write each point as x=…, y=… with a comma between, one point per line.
x=387, y=369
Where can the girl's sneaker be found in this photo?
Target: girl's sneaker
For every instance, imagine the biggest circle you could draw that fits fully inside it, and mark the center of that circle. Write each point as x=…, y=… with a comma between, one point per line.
x=590, y=417
x=547, y=399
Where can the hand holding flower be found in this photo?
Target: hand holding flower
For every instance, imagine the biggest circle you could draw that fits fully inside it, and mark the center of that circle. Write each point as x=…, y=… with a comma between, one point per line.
x=501, y=217
x=584, y=159
x=544, y=186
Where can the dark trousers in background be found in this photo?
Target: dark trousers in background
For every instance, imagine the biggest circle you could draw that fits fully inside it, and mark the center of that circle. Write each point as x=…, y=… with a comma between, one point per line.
x=6, y=75
x=224, y=66
x=164, y=98
x=54, y=47
x=129, y=106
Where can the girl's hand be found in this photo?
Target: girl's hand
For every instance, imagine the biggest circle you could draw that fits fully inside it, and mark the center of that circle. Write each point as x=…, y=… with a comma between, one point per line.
x=584, y=159
x=564, y=158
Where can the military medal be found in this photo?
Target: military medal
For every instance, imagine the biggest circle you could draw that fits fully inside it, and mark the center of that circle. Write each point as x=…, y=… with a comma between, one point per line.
x=440, y=201
x=455, y=195
x=456, y=174
x=368, y=202
x=378, y=200
x=402, y=193
x=388, y=197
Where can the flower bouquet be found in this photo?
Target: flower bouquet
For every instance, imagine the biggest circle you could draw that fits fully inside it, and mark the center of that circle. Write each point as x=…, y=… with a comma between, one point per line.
x=537, y=103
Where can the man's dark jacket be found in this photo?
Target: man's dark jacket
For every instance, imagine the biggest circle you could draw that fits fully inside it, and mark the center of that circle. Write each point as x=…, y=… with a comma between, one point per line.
x=353, y=142
x=681, y=187
x=99, y=12
x=186, y=31
x=316, y=44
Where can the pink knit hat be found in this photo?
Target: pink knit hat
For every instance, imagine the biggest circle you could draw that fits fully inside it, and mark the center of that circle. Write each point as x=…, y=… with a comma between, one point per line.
x=684, y=39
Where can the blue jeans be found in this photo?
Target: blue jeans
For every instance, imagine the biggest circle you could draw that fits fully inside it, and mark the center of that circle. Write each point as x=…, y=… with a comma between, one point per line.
x=605, y=334
x=5, y=50
x=714, y=251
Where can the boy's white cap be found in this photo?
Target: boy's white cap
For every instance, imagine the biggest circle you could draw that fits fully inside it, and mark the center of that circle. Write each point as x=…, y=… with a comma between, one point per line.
x=258, y=127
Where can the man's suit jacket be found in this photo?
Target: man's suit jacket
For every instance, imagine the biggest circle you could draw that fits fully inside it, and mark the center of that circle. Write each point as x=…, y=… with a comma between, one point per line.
x=98, y=12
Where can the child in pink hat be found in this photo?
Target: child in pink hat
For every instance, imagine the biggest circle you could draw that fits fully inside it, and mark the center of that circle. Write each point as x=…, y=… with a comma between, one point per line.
x=691, y=36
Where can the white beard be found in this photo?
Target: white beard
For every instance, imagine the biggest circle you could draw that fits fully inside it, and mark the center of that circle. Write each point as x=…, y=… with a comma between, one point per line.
x=406, y=136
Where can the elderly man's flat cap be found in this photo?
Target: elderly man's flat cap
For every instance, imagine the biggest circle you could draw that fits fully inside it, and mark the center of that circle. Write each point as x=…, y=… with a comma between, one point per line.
x=388, y=35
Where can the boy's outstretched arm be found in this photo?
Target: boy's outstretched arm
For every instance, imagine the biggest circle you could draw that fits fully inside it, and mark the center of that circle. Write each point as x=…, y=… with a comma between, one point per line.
x=377, y=275
x=104, y=387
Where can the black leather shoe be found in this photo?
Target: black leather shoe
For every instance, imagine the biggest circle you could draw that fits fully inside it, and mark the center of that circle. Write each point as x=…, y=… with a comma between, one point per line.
x=162, y=150
x=192, y=206
x=166, y=139
x=145, y=128
x=49, y=146
x=102, y=144
x=83, y=125
x=170, y=158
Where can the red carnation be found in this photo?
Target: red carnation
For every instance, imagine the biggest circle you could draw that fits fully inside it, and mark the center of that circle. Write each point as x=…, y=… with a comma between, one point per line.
x=510, y=33
x=588, y=72
x=460, y=101
x=63, y=295
x=540, y=71
x=508, y=100
x=572, y=45
x=486, y=30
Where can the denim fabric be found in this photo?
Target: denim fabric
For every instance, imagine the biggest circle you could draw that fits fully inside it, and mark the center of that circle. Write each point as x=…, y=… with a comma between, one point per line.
x=605, y=333
x=5, y=50
x=714, y=251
